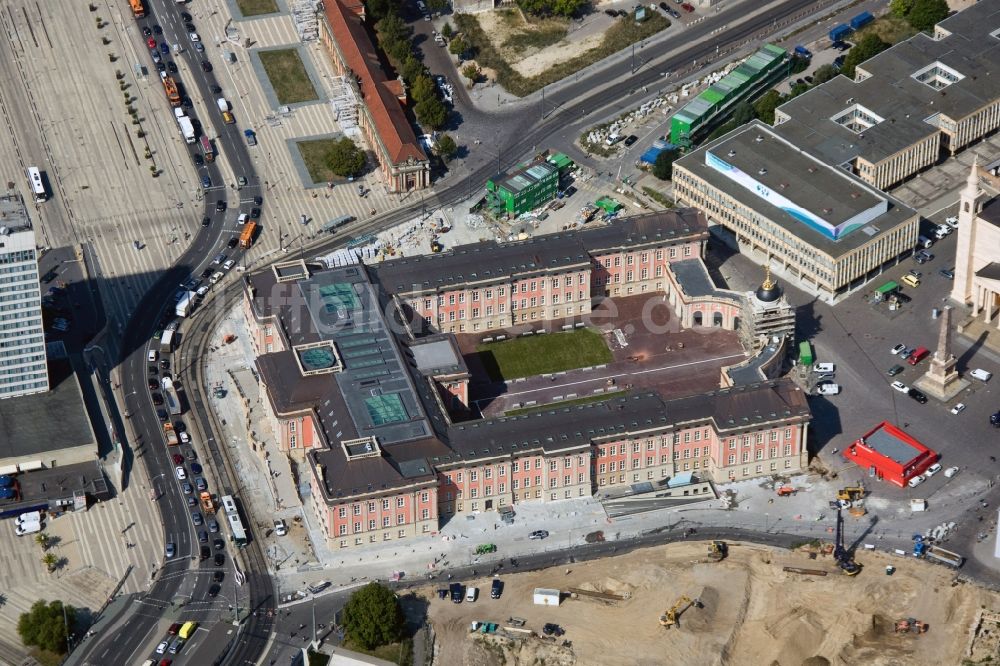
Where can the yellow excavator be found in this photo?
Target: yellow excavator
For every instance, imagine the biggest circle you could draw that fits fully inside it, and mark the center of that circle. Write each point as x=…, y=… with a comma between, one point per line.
x=850, y=493
x=669, y=618
x=717, y=551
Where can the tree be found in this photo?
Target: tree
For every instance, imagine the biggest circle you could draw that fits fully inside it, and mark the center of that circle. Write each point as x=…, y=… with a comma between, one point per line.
x=868, y=46
x=743, y=113
x=663, y=168
x=546, y=8
x=925, y=14
x=447, y=31
x=345, y=158
x=900, y=8
x=373, y=617
x=766, y=105
x=458, y=46
x=824, y=73
x=431, y=112
x=471, y=72
x=422, y=88
x=50, y=560
x=446, y=147
x=44, y=625
x=392, y=29
x=412, y=68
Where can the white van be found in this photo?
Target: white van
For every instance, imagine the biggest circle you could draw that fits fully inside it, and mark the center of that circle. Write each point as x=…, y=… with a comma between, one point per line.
x=925, y=242
x=824, y=367
x=30, y=517
x=981, y=375
x=27, y=528
x=471, y=593
x=828, y=389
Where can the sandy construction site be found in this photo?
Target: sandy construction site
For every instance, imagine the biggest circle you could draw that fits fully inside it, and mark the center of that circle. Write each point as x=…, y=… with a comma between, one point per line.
x=753, y=612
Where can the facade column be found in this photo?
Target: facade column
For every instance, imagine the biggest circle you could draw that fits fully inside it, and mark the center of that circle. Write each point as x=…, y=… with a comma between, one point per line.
x=975, y=301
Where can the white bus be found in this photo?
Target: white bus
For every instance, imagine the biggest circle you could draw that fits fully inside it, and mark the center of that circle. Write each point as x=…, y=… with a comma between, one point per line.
x=37, y=186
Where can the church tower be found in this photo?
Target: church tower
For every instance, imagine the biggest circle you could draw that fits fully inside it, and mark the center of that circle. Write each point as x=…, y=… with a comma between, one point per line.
x=970, y=202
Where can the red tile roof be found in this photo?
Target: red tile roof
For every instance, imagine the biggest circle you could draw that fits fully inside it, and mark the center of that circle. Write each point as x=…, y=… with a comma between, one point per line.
x=359, y=53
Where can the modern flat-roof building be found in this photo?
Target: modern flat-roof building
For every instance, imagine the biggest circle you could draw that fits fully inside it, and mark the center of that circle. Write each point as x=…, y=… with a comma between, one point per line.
x=22, y=337
x=890, y=454
x=925, y=95
x=817, y=225
x=402, y=163
x=354, y=393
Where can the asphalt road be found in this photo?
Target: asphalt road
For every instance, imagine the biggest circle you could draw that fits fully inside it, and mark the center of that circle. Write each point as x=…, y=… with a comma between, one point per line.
x=174, y=580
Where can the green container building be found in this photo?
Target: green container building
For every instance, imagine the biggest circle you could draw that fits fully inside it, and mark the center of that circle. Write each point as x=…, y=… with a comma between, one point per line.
x=753, y=76
x=526, y=188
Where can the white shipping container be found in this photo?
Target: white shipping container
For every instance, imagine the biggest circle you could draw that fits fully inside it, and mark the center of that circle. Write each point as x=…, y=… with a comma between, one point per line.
x=545, y=597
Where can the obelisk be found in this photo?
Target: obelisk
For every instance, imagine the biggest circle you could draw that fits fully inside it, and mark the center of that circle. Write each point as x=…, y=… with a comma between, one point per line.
x=941, y=380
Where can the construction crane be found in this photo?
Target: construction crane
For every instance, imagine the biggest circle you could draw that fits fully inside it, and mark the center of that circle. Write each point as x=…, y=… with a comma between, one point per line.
x=717, y=551
x=669, y=618
x=845, y=560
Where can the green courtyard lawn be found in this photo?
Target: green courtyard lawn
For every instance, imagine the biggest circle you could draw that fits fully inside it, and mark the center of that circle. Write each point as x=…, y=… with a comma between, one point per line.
x=257, y=7
x=288, y=76
x=316, y=154
x=541, y=354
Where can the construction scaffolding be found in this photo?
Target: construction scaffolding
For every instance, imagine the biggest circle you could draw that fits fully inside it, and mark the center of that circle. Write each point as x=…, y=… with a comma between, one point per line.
x=305, y=14
x=344, y=100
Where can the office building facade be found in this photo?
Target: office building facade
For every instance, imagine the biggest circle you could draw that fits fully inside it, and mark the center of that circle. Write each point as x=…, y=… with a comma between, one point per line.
x=23, y=368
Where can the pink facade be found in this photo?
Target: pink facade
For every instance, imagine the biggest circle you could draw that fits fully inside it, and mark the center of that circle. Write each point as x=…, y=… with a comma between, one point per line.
x=398, y=514
x=567, y=293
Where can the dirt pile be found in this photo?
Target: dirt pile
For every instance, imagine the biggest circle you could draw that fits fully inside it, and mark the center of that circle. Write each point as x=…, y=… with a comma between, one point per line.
x=751, y=612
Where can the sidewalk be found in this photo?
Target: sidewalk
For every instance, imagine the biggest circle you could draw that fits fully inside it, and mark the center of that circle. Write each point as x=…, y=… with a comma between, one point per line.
x=265, y=476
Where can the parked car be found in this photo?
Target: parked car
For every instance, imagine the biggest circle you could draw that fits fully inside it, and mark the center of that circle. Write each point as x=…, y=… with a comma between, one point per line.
x=932, y=470
x=901, y=387
x=958, y=408
x=538, y=534
x=918, y=396
x=916, y=481
x=496, y=588
x=895, y=370
x=898, y=348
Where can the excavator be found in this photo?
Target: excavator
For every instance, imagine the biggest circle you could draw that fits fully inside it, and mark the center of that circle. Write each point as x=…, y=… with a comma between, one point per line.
x=845, y=560
x=910, y=625
x=851, y=493
x=669, y=618
x=717, y=551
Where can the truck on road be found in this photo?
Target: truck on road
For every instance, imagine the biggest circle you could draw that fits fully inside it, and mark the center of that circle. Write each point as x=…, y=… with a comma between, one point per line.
x=170, y=87
x=251, y=137
x=222, y=104
x=207, y=505
x=247, y=235
x=207, y=149
x=187, y=129
x=167, y=341
x=170, y=397
x=185, y=304
x=170, y=434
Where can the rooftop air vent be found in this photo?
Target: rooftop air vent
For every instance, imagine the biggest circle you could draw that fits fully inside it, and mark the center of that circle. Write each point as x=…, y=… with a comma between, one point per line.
x=759, y=138
x=731, y=153
x=762, y=172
